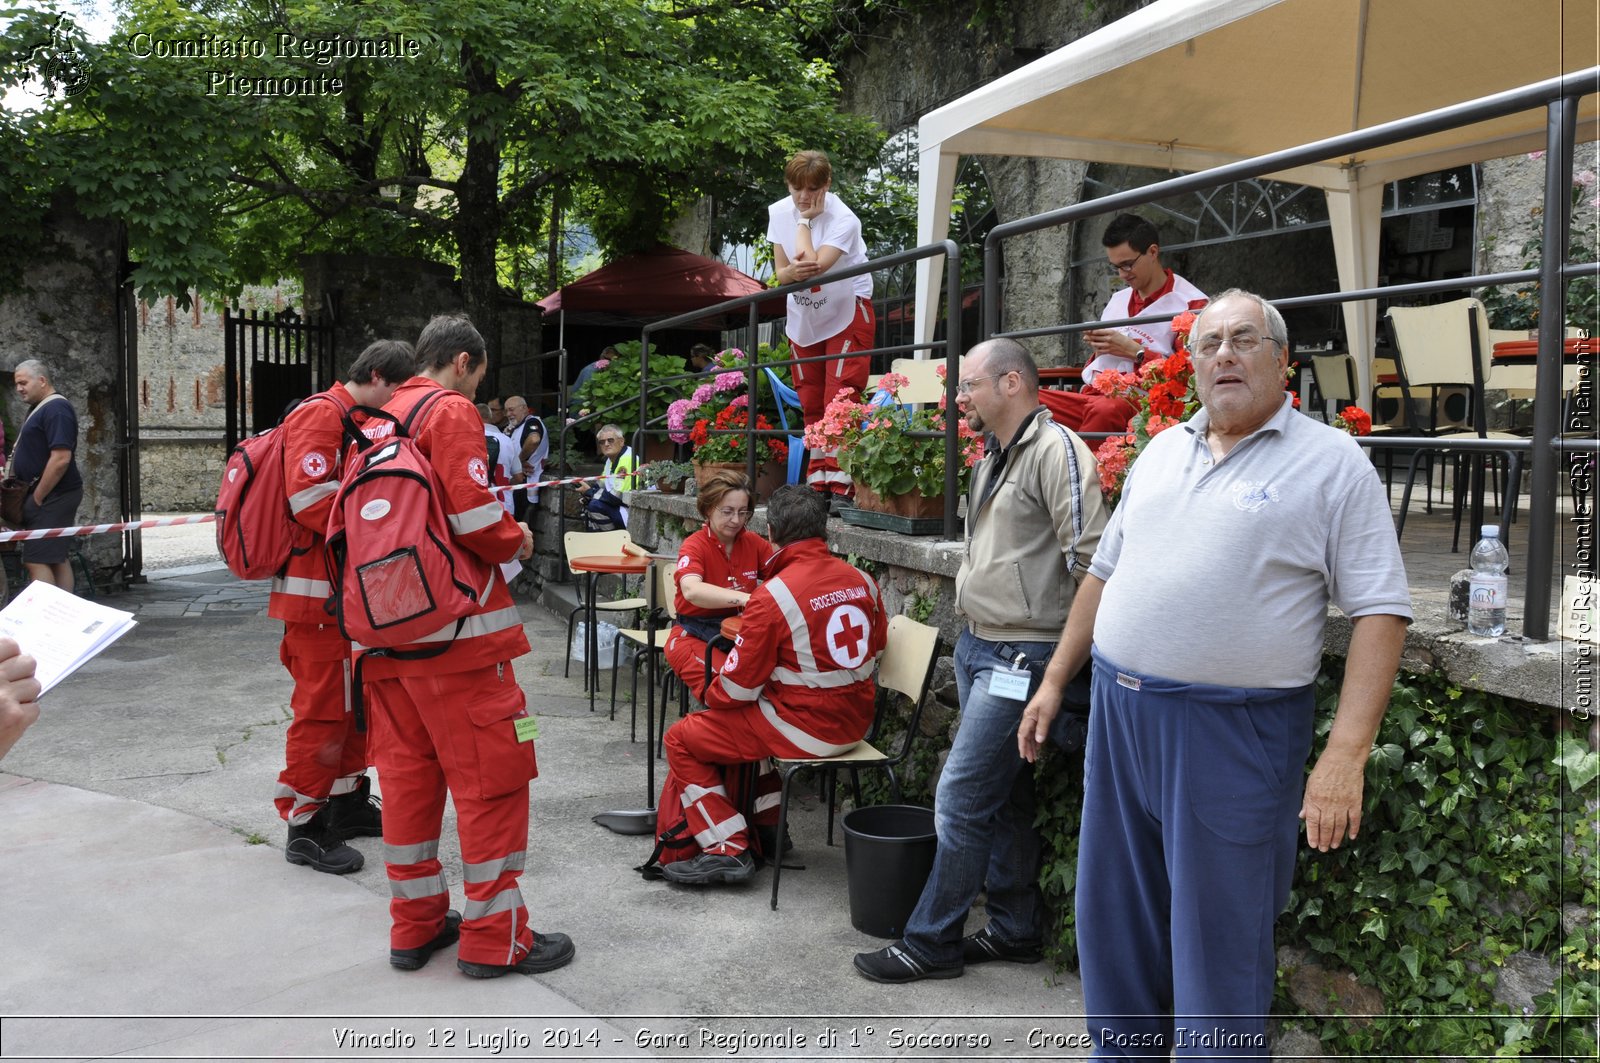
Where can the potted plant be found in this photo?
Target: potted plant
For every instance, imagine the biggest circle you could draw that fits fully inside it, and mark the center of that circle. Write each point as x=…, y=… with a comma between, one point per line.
x=721, y=405
x=894, y=472
x=666, y=476
x=612, y=393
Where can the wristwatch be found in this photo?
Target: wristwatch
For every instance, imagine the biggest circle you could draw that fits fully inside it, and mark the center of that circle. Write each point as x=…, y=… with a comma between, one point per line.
x=806, y=222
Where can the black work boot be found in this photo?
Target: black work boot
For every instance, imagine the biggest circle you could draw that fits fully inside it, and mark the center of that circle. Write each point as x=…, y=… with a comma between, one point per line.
x=356, y=814
x=312, y=843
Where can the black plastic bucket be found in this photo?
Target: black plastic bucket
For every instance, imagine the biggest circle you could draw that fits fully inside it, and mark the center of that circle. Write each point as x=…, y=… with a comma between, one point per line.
x=888, y=853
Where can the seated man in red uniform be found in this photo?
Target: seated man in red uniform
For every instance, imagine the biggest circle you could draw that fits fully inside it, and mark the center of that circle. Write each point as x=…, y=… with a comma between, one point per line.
x=717, y=569
x=1133, y=251
x=797, y=684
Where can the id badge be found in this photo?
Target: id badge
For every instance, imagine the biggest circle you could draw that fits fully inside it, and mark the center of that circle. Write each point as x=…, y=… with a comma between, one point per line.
x=1009, y=683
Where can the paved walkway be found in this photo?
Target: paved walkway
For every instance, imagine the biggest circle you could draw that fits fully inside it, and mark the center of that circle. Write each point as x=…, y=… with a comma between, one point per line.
x=149, y=911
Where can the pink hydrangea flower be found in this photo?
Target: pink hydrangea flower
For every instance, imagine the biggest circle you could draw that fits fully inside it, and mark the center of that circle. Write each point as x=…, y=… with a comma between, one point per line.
x=601, y=364
x=678, y=420
x=728, y=381
x=702, y=394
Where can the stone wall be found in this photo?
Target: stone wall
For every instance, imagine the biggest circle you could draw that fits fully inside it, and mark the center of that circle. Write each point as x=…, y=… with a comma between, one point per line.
x=181, y=394
x=182, y=412
x=392, y=298
x=67, y=317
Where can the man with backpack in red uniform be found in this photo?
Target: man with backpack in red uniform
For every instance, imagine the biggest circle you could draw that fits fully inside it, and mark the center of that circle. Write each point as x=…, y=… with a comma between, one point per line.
x=456, y=720
x=323, y=791
x=798, y=683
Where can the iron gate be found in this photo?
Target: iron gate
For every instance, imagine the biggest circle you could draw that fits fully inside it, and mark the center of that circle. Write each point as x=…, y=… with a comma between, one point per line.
x=272, y=360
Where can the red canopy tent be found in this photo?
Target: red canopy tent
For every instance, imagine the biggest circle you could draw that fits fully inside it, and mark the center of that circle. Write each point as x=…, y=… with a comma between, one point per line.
x=655, y=284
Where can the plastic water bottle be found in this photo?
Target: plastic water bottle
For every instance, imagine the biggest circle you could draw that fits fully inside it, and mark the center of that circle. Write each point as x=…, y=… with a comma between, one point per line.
x=1486, y=613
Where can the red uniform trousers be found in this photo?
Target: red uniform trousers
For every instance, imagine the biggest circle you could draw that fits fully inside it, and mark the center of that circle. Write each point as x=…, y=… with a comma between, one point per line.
x=700, y=749
x=323, y=753
x=686, y=656
x=454, y=731
x=819, y=382
x=1088, y=410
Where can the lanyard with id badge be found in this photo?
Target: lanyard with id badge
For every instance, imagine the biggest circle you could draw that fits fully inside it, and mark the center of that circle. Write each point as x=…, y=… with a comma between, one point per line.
x=1011, y=682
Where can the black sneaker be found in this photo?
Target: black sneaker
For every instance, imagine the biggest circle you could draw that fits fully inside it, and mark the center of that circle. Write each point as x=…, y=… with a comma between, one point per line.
x=313, y=844
x=893, y=964
x=356, y=814
x=710, y=868
x=549, y=952
x=986, y=945
x=768, y=837
x=415, y=959
x=840, y=502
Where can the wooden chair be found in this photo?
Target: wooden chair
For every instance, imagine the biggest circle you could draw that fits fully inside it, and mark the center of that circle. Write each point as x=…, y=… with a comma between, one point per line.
x=594, y=544
x=1335, y=378
x=1447, y=346
x=1517, y=381
x=652, y=638
x=906, y=667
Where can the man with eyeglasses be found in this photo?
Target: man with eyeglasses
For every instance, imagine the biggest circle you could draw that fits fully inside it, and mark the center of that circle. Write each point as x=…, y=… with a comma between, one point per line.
x=1034, y=515
x=1133, y=251
x=1198, y=742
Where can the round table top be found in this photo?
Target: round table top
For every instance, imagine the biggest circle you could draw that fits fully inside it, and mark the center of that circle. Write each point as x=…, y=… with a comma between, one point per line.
x=1529, y=349
x=626, y=564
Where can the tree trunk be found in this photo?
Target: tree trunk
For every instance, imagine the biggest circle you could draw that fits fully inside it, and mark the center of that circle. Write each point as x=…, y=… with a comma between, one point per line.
x=479, y=221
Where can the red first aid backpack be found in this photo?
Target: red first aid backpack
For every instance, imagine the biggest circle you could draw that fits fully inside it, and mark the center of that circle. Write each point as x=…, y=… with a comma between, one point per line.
x=397, y=576
x=255, y=530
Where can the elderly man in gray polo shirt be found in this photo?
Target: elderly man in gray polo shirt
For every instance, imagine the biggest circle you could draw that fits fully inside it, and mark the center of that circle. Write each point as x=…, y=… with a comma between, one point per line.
x=1205, y=605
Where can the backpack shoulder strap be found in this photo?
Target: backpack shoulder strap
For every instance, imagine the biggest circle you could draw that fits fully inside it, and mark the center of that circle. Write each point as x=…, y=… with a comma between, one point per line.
x=424, y=405
x=671, y=838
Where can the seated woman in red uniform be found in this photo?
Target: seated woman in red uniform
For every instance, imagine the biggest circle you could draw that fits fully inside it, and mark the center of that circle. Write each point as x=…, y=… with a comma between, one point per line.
x=717, y=569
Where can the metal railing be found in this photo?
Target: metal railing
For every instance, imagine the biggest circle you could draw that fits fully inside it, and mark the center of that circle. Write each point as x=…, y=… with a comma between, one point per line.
x=1559, y=96
x=951, y=346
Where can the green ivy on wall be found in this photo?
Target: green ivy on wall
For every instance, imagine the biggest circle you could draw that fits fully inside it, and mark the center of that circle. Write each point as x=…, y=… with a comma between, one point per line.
x=1479, y=824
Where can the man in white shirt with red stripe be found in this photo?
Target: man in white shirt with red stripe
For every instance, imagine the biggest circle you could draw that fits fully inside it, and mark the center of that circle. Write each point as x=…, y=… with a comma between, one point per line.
x=1133, y=251
x=813, y=232
x=797, y=684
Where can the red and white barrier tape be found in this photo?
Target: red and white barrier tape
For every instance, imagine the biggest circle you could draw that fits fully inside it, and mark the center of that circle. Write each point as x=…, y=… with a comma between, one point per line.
x=97, y=529
x=207, y=518
x=546, y=483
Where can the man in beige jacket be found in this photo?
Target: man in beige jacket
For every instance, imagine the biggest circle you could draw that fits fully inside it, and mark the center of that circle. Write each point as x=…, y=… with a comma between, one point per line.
x=1034, y=516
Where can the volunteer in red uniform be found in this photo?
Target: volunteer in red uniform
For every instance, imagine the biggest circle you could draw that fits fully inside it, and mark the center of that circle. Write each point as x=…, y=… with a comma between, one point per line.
x=812, y=232
x=458, y=721
x=323, y=791
x=1133, y=251
x=718, y=567
x=797, y=683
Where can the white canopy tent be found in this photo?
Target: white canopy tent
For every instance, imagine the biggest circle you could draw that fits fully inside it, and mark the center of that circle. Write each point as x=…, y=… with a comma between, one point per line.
x=1192, y=84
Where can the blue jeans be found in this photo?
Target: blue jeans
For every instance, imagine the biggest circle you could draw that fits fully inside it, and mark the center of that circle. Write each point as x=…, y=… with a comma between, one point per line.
x=983, y=813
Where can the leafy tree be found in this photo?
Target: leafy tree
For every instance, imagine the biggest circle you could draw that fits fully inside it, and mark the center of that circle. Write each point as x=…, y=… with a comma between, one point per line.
x=623, y=111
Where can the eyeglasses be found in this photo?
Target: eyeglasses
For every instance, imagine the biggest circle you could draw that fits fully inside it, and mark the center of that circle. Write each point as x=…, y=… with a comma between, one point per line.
x=608, y=440
x=1127, y=267
x=729, y=513
x=965, y=386
x=1244, y=344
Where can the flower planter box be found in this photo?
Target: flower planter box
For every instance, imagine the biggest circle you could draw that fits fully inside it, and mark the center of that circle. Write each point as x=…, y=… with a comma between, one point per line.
x=908, y=514
x=769, y=476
